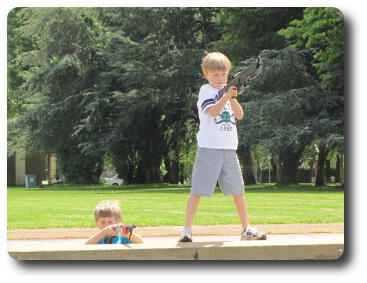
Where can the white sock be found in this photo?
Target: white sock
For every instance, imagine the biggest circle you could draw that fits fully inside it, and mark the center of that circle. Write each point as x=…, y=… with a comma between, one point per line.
x=245, y=228
x=187, y=230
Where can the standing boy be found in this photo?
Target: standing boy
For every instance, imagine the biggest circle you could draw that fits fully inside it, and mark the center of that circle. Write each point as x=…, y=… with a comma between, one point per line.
x=216, y=158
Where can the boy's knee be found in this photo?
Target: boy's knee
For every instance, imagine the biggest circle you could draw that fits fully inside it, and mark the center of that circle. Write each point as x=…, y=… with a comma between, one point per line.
x=195, y=196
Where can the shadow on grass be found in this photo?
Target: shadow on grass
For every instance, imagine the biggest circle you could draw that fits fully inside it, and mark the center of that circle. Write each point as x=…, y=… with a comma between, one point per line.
x=184, y=189
x=144, y=191
x=300, y=188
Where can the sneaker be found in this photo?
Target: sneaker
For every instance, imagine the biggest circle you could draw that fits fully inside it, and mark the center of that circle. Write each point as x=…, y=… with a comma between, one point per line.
x=252, y=234
x=186, y=236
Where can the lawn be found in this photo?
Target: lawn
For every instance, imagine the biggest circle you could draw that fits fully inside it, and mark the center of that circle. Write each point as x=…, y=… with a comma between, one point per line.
x=162, y=204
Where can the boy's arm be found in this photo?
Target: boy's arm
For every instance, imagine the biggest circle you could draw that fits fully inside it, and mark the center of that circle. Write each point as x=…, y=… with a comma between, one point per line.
x=111, y=230
x=237, y=109
x=136, y=238
x=106, y=231
x=96, y=237
x=217, y=107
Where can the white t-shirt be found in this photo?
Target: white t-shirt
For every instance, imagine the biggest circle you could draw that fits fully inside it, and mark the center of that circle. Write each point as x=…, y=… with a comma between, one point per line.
x=218, y=132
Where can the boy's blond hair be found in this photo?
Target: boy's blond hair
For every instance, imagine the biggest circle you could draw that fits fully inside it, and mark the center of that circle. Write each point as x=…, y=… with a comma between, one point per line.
x=215, y=61
x=108, y=208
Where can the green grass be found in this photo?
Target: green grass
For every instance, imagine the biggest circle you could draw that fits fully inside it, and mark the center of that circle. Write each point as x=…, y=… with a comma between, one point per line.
x=161, y=204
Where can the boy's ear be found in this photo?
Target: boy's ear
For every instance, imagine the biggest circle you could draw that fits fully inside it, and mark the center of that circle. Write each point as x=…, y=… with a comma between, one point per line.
x=119, y=219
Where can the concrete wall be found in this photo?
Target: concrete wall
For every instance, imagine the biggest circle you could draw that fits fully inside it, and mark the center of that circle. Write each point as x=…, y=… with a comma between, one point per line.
x=11, y=170
x=52, y=169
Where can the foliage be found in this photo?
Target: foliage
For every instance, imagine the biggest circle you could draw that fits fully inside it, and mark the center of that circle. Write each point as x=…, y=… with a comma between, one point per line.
x=248, y=31
x=147, y=88
x=55, y=87
x=120, y=84
x=281, y=106
x=322, y=31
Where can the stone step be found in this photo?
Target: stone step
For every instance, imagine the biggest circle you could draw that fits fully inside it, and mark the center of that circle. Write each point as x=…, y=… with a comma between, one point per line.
x=276, y=247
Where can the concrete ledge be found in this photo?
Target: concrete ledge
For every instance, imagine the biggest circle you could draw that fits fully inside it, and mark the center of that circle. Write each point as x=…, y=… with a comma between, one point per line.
x=174, y=231
x=276, y=247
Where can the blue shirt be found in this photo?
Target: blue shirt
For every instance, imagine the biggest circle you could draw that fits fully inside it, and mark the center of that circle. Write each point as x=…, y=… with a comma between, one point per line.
x=119, y=239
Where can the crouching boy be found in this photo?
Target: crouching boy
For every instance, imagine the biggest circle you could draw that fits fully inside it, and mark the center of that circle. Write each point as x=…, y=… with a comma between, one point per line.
x=107, y=215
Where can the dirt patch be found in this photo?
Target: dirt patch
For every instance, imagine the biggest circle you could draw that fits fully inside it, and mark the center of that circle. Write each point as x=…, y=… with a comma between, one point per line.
x=174, y=231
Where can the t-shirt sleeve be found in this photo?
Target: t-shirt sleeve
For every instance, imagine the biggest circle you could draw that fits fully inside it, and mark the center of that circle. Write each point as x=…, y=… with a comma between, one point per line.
x=206, y=99
x=119, y=239
x=122, y=240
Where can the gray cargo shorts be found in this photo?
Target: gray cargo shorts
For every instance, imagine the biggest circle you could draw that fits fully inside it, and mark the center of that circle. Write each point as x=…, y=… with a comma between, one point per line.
x=212, y=165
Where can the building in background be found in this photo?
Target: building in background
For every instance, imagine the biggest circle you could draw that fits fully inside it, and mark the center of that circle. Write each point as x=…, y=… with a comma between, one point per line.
x=43, y=166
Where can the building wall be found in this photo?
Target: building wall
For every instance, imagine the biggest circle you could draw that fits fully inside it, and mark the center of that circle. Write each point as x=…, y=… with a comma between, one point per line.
x=11, y=170
x=18, y=165
x=19, y=168
x=52, y=169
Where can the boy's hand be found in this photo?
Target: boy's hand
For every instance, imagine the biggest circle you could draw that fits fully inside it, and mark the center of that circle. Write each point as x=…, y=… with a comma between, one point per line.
x=124, y=231
x=111, y=230
x=232, y=92
x=118, y=228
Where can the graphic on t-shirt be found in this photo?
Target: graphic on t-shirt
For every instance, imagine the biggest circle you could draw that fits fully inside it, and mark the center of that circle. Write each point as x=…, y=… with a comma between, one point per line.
x=225, y=117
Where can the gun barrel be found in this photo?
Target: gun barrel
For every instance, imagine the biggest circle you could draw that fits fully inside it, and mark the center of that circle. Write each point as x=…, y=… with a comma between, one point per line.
x=127, y=226
x=243, y=77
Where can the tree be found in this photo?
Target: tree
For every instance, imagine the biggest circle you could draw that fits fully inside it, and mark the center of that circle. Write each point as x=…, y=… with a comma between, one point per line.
x=149, y=82
x=281, y=107
x=16, y=44
x=246, y=32
x=120, y=84
x=57, y=80
x=321, y=30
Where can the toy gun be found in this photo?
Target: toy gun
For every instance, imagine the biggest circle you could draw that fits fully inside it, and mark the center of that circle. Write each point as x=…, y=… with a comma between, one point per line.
x=124, y=228
x=127, y=228
x=243, y=77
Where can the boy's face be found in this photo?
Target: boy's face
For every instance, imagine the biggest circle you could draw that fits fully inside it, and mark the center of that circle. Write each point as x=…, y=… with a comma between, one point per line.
x=106, y=221
x=217, y=79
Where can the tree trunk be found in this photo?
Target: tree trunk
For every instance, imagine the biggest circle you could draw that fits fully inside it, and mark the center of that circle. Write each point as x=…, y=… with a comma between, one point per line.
x=327, y=171
x=320, y=178
x=126, y=168
x=248, y=171
x=288, y=164
x=310, y=180
x=337, y=169
x=173, y=171
x=79, y=169
x=259, y=174
x=313, y=170
x=148, y=171
x=342, y=169
x=274, y=169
